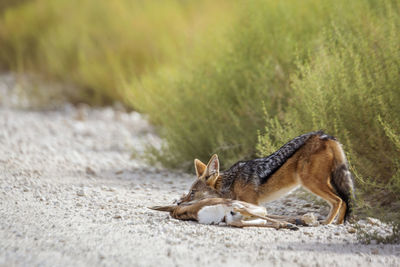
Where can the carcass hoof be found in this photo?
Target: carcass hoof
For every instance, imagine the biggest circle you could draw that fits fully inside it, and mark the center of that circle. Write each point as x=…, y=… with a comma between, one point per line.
x=292, y=227
x=300, y=222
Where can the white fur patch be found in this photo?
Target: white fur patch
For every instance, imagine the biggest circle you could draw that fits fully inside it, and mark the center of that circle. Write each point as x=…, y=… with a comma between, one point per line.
x=233, y=217
x=255, y=222
x=213, y=214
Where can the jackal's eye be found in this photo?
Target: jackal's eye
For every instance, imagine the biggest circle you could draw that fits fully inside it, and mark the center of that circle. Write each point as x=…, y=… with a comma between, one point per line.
x=192, y=194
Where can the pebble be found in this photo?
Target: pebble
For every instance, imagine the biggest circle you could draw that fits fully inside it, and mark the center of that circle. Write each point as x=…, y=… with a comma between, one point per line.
x=80, y=193
x=310, y=219
x=373, y=221
x=309, y=233
x=375, y=251
x=90, y=171
x=351, y=230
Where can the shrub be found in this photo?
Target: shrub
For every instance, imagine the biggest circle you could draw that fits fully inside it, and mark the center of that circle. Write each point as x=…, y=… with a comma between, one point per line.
x=351, y=88
x=216, y=105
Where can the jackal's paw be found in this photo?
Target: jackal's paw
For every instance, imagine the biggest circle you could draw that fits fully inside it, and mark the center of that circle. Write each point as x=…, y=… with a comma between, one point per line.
x=325, y=222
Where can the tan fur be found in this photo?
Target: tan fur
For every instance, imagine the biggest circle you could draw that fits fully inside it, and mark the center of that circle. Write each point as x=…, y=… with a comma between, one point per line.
x=310, y=167
x=249, y=214
x=245, y=192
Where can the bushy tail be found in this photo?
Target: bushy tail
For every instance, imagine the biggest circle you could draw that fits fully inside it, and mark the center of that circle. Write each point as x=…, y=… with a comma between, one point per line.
x=342, y=180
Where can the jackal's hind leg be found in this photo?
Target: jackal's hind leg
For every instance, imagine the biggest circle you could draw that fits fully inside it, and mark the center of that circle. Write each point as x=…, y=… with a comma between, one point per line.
x=342, y=213
x=325, y=190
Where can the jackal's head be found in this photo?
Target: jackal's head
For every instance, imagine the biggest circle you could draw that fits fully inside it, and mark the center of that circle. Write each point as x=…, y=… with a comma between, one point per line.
x=204, y=185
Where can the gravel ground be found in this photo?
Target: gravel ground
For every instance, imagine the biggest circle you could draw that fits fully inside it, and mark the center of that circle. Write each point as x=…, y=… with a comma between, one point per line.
x=72, y=195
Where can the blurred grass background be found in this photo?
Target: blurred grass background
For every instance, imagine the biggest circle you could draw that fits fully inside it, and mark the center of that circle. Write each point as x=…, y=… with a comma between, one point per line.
x=237, y=78
x=97, y=45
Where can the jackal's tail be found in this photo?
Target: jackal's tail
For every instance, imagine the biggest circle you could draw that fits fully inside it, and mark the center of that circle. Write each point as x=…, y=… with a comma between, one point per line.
x=342, y=180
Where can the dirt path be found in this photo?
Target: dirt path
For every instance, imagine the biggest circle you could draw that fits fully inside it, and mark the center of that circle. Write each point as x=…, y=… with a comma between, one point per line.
x=70, y=195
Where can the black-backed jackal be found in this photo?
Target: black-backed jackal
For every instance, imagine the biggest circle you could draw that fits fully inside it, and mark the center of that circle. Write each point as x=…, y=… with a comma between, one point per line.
x=314, y=160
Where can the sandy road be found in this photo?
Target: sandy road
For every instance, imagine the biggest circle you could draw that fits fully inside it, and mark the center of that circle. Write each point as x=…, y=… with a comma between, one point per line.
x=70, y=195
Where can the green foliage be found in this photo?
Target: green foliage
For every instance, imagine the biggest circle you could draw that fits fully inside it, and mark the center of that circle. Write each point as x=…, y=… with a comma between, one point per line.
x=98, y=44
x=5, y=4
x=216, y=105
x=368, y=237
x=351, y=88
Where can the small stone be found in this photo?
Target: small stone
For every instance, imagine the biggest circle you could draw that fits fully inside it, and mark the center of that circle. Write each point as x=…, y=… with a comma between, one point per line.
x=309, y=233
x=117, y=216
x=351, y=230
x=90, y=171
x=375, y=251
x=307, y=205
x=373, y=221
x=310, y=219
x=80, y=193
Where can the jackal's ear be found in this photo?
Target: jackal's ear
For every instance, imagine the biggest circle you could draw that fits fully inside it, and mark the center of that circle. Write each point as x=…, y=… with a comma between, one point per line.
x=200, y=167
x=213, y=166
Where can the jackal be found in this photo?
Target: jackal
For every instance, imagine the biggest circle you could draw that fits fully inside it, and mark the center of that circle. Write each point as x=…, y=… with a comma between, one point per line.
x=314, y=160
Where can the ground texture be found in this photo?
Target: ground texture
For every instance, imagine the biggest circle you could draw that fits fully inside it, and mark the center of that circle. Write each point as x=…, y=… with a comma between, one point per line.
x=74, y=191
